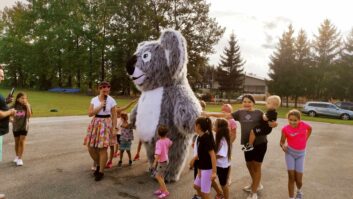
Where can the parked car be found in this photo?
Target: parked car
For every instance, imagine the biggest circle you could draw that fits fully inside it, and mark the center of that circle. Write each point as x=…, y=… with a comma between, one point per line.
x=345, y=105
x=326, y=109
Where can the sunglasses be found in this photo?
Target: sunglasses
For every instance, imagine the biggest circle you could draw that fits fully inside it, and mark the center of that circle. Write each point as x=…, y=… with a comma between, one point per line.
x=104, y=87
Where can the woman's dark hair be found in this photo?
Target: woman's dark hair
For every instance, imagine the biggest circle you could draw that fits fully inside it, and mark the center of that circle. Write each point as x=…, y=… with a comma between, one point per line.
x=206, y=126
x=223, y=132
x=162, y=130
x=17, y=103
x=250, y=97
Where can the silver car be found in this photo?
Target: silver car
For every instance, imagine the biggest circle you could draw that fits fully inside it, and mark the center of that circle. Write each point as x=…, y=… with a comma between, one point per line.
x=326, y=109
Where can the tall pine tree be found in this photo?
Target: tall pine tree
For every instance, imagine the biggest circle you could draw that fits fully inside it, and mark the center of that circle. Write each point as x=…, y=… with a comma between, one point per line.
x=230, y=73
x=281, y=66
x=327, y=47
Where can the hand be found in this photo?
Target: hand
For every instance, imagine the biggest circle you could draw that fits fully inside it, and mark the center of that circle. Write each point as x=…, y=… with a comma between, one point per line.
x=114, y=131
x=104, y=103
x=9, y=99
x=12, y=112
x=191, y=164
x=213, y=176
x=284, y=148
x=273, y=124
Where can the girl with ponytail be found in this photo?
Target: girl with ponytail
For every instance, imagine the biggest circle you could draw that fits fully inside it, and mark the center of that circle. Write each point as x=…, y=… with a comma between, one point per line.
x=207, y=157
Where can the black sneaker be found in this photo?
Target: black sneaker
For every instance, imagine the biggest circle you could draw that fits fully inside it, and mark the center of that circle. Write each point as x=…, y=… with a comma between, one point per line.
x=99, y=176
x=120, y=164
x=130, y=162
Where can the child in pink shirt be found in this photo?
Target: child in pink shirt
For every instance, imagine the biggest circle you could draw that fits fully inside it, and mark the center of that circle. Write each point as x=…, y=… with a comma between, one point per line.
x=161, y=161
x=296, y=133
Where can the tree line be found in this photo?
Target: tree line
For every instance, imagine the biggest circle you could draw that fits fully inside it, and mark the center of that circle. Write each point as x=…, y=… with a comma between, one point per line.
x=321, y=69
x=76, y=43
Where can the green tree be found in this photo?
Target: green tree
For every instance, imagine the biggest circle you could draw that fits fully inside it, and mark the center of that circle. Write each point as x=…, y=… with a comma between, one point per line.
x=301, y=72
x=230, y=73
x=282, y=64
x=327, y=47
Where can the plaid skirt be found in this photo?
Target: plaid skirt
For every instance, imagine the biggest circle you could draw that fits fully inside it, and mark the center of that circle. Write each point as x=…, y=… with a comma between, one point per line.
x=100, y=133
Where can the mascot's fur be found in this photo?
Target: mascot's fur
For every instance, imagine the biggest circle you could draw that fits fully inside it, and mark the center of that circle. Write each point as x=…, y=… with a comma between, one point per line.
x=158, y=69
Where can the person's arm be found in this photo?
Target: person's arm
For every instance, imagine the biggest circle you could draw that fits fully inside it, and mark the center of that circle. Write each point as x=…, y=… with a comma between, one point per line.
x=93, y=111
x=8, y=113
x=192, y=162
x=156, y=158
x=214, y=164
x=283, y=142
x=29, y=110
x=120, y=109
x=114, y=118
x=310, y=129
x=233, y=134
x=218, y=115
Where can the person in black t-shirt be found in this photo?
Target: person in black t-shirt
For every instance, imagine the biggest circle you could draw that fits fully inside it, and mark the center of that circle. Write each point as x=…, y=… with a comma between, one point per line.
x=206, y=156
x=5, y=113
x=272, y=103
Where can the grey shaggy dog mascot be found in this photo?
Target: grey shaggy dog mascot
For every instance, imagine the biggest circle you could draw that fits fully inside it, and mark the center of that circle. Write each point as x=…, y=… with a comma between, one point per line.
x=158, y=69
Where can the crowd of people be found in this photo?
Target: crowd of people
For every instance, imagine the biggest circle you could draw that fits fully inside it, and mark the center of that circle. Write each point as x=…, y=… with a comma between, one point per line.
x=212, y=142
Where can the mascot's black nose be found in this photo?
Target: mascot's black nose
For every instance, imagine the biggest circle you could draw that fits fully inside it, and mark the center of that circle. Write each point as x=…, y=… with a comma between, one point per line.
x=130, y=65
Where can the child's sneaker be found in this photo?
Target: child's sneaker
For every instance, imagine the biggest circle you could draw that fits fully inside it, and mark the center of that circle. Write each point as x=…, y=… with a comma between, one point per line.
x=158, y=192
x=109, y=165
x=15, y=160
x=163, y=195
x=248, y=188
x=137, y=157
x=252, y=196
x=247, y=147
x=196, y=197
x=2, y=196
x=130, y=162
x=120, y=164
x=299, y=195
x=19, y=162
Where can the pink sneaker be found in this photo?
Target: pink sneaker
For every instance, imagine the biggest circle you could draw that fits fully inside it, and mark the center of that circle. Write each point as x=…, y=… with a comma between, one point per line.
x=109, y=165
x=158, y=192
x=163, y=195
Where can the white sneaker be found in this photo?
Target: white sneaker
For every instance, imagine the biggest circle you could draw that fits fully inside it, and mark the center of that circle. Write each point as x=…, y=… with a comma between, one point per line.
x=248, y=188
x=15, y=160
x=2, y=196
x=252, y=196
x=19, y=162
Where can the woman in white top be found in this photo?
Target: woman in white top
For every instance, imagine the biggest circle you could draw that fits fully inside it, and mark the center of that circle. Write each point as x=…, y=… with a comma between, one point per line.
x=101, y=132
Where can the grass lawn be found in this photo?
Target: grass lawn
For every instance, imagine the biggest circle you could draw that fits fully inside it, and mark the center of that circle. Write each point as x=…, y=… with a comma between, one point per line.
x=77, y=104
x=66, y=104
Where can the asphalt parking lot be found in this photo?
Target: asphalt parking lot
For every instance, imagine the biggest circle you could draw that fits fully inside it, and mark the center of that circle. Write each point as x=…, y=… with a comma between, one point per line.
x=57, y=166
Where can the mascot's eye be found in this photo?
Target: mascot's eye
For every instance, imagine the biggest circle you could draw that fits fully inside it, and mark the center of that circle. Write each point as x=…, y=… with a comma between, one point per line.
x=146, y=56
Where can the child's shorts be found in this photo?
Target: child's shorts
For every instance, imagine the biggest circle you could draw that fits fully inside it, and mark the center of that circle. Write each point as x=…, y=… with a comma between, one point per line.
x=295, y=160
x=223, y=174
x=162, y=168
x=205, y=181
x=125, y=145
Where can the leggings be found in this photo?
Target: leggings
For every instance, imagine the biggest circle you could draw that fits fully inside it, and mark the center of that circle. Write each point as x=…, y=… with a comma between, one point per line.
x=295, y=160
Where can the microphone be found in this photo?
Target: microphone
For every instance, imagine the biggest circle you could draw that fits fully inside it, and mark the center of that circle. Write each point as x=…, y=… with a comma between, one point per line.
x=105, y=99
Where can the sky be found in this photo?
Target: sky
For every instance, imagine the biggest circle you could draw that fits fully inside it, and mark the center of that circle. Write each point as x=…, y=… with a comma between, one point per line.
x=258, y=24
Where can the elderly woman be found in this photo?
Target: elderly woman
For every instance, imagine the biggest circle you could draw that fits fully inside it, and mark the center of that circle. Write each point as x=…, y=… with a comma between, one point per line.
x=101, y=131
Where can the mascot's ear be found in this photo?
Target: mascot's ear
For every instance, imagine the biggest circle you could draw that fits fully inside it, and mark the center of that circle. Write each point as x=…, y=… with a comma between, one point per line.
x=174, y=45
